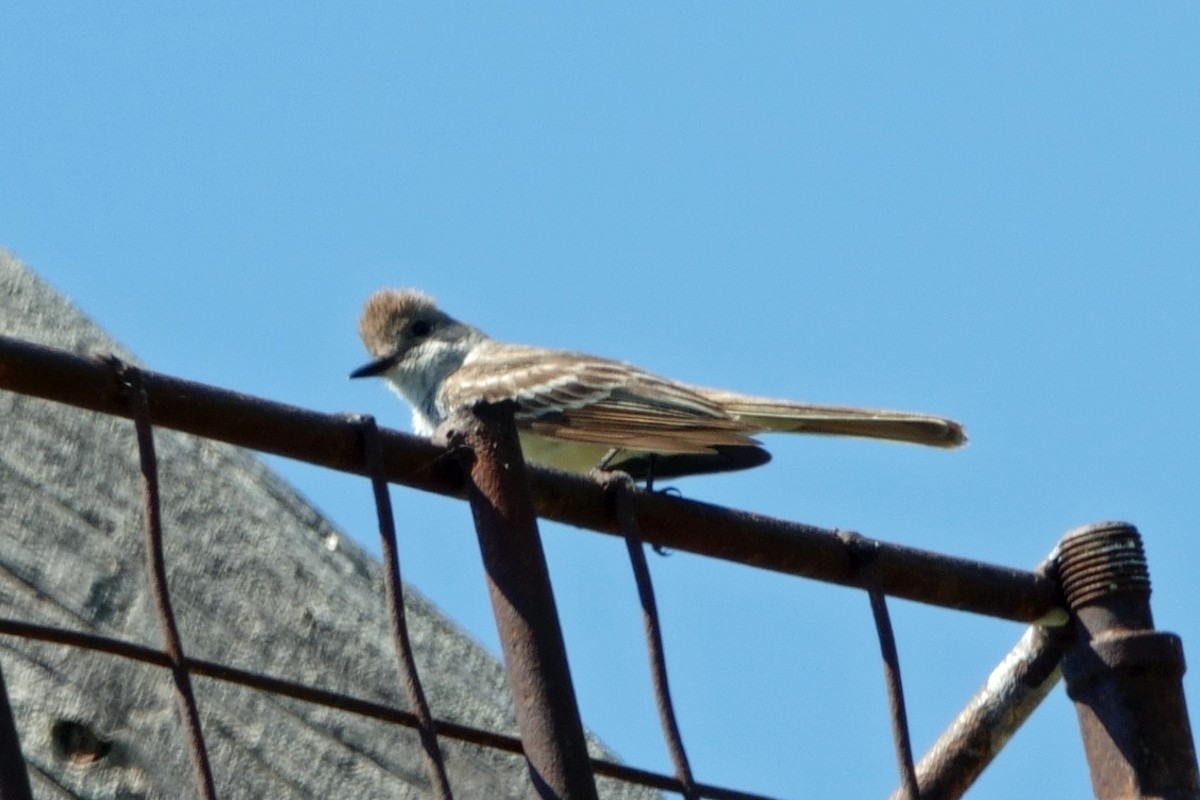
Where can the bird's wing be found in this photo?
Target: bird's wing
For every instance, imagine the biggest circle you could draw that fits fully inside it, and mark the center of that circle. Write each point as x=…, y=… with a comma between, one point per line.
x=587, y=399
x=762, y=415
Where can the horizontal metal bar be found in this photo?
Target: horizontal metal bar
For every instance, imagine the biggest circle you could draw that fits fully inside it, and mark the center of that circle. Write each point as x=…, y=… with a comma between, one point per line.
x=353, y=705
x=332, y=441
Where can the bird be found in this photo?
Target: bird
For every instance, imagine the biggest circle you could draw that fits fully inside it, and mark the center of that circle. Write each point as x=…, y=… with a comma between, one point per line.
x=579, y=412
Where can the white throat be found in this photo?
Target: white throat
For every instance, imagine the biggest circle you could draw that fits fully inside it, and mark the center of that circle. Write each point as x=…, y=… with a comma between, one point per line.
x=418, y=378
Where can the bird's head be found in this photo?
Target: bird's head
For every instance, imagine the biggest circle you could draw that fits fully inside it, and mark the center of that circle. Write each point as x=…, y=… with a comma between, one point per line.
x=402, y=328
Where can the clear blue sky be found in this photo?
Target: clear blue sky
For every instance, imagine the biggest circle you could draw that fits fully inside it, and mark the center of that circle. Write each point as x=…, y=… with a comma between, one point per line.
x=991, y=213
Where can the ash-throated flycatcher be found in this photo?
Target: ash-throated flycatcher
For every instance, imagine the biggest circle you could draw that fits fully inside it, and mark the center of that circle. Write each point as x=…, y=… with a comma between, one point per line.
x=577, y=412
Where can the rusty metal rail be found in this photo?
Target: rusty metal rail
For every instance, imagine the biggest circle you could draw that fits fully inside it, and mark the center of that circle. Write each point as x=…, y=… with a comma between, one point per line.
x=333, y=441
x=343, y=702
x=1124, y=676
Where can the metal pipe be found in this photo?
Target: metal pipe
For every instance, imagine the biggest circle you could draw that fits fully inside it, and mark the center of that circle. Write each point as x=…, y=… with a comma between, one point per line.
x=1124, y=677
x=1014, y=689
x=332, y=441
x=535, y=658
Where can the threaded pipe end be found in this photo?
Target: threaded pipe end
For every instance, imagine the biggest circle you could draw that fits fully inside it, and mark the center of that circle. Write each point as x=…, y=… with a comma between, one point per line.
x=1102, y=559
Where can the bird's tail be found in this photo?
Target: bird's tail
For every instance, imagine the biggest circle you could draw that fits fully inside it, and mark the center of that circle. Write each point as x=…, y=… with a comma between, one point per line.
x=787, y=417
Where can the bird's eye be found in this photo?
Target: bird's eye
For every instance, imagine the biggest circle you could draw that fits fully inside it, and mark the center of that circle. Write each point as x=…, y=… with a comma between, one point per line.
x=419, y=328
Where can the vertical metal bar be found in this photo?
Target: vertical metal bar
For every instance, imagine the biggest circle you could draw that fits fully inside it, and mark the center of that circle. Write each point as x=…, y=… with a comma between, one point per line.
x=535, y=657
x=157, y=569
x=864, y=556
x=435, y=765
x=14, y=777
x=895, y=693
x=623, y=487
x=989, y=719
x=1124, y=677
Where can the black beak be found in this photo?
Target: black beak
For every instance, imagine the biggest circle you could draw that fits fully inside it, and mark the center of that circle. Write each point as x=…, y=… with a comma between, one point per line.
x=376, y=367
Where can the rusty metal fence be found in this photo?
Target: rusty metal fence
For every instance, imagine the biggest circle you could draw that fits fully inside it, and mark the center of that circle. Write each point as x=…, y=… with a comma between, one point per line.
x=1088, y=605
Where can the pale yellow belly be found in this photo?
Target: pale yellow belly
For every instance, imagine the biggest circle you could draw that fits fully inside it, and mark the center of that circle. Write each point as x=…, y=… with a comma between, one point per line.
x=561, y=454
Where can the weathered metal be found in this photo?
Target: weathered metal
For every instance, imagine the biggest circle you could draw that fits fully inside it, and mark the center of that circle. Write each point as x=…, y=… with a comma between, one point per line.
x=535, y=658
x=1124, y=677
x=993, y=715
x=431, y=752
x=623, y=489
x=156, y=568
x=864, y=556
x=332, y=441
x=352, y=705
